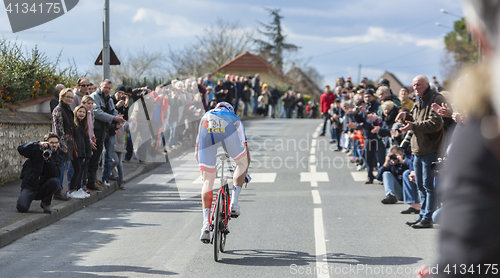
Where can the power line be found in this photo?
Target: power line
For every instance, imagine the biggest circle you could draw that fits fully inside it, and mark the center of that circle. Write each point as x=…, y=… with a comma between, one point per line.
x=365, y=43
x=404, y=56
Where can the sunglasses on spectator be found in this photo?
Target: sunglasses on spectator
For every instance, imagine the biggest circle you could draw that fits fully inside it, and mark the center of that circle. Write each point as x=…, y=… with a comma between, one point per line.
x=84, y=85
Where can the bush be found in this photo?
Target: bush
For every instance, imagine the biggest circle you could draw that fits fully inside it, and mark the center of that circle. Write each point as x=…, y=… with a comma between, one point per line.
x=25, y=75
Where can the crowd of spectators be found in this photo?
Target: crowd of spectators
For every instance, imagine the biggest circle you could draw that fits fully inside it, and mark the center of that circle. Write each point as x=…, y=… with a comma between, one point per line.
x=397, y=139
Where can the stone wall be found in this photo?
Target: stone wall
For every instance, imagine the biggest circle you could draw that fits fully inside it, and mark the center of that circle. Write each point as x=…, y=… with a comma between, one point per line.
x=17, y=128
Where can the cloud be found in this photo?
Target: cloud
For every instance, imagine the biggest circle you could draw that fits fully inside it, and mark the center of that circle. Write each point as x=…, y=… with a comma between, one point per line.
x=173, y=25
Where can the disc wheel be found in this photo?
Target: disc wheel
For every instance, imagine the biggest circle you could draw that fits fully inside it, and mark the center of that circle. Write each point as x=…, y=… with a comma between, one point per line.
x=217, y=227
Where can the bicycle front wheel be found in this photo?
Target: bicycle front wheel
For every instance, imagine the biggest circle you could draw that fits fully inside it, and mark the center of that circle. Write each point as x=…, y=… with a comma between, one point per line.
x=217, y=226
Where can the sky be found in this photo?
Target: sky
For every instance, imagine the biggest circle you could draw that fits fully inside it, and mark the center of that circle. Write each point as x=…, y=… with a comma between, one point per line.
x=335, y=36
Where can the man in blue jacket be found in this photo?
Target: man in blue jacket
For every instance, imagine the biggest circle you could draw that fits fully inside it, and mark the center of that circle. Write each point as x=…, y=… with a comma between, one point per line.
x=40, y=172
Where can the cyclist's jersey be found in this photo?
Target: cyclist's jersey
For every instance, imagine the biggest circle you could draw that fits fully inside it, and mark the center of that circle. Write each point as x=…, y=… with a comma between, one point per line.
x=219, y=127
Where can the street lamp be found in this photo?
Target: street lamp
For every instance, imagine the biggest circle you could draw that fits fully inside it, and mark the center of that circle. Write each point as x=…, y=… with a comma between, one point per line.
x=447, y=12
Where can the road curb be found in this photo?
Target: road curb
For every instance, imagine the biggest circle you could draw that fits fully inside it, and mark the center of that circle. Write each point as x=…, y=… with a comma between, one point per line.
x=37, y=221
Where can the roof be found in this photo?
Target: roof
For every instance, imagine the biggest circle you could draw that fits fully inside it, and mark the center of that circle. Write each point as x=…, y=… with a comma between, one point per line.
x=250, y=62
x=304, y=81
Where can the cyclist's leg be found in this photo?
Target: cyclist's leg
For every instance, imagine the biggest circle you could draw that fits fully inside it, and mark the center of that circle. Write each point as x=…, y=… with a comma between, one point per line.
x=239, y=153
x=207, y=161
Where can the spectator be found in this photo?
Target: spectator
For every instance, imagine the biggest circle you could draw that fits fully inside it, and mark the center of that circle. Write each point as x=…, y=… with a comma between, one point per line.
x=336, y=114
x=219, y=92
x=391, y=174
x=120, y=102
x=83, y=152
x=82, y=89
x=173, y=116
x=230, y=89
x=239, y=92
x=88, y=102
x=55, y=100
x=130, y=145
x=120, y=149
x=313, y=114
x=105, y=113
x=40, y=173
x=300, y=103
x=246, y=98
x=327, y=98
x=385, y=93
x=63, y=126
x=404, y=97
x=425, y=143
x=275, y=96
x=288, y=104
x=256, y=92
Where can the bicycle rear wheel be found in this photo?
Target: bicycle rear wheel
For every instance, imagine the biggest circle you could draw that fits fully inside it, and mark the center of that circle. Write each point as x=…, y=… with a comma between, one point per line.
x=217, y=227
x=223, y=224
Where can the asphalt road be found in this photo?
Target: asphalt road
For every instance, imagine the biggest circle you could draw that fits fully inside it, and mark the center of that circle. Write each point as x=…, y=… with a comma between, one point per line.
x=306, y=213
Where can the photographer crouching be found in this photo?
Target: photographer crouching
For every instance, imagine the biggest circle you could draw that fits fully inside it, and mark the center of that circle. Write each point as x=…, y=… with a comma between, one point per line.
x=40, y=172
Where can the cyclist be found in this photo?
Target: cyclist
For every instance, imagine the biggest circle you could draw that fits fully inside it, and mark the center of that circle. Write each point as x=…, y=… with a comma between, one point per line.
x=220, y=127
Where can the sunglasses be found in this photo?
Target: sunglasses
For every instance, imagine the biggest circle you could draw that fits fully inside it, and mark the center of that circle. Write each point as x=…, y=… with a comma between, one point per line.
x=84, y=85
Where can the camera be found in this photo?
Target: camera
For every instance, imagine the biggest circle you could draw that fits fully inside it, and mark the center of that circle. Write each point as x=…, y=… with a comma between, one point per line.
x=393, y=157
x=405, y=144
x=123, y=98
x=46, y=152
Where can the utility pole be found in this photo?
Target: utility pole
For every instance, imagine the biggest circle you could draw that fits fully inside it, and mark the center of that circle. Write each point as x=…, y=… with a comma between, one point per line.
x=105, y=42
x=359, y=74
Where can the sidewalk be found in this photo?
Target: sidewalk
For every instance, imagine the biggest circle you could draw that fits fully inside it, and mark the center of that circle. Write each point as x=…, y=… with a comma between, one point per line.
x=14, y=225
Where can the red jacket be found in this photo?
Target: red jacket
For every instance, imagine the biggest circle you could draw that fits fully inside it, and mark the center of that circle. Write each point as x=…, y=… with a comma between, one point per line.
x=326, y=100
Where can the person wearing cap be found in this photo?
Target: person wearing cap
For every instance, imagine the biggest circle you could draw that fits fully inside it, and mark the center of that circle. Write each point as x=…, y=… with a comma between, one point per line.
x=326, y=100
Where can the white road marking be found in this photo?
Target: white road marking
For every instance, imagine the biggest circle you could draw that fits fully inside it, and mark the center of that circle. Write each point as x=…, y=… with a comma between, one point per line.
x=314, y=184
x=312, y=159
x=312, y=168
x=319, y=235
x=313, y=150
x=316, y=197
x=315, y=134
x=318, y=176
x=314, y=143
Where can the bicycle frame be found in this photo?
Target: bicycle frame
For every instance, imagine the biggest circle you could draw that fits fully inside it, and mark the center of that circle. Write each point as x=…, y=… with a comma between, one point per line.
x=220, y=209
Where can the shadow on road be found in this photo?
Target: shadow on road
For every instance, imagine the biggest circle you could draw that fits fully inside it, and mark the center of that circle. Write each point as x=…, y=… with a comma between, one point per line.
x=286, y=258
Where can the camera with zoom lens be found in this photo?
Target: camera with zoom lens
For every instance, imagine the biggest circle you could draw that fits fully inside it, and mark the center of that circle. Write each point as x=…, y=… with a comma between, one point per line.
x=405, y=144
x=393, y=157
x=46, y=152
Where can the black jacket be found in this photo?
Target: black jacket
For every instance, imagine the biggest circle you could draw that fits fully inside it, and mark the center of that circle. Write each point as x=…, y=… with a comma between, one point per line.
x=82, y=142
x=39, y=169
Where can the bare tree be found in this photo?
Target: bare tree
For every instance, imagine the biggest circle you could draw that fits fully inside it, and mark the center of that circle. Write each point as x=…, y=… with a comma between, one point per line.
x=219, y=44
x=141, y=63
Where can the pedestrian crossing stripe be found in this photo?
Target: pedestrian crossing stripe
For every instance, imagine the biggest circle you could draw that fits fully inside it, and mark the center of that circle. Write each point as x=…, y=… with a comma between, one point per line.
x=360, y=176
